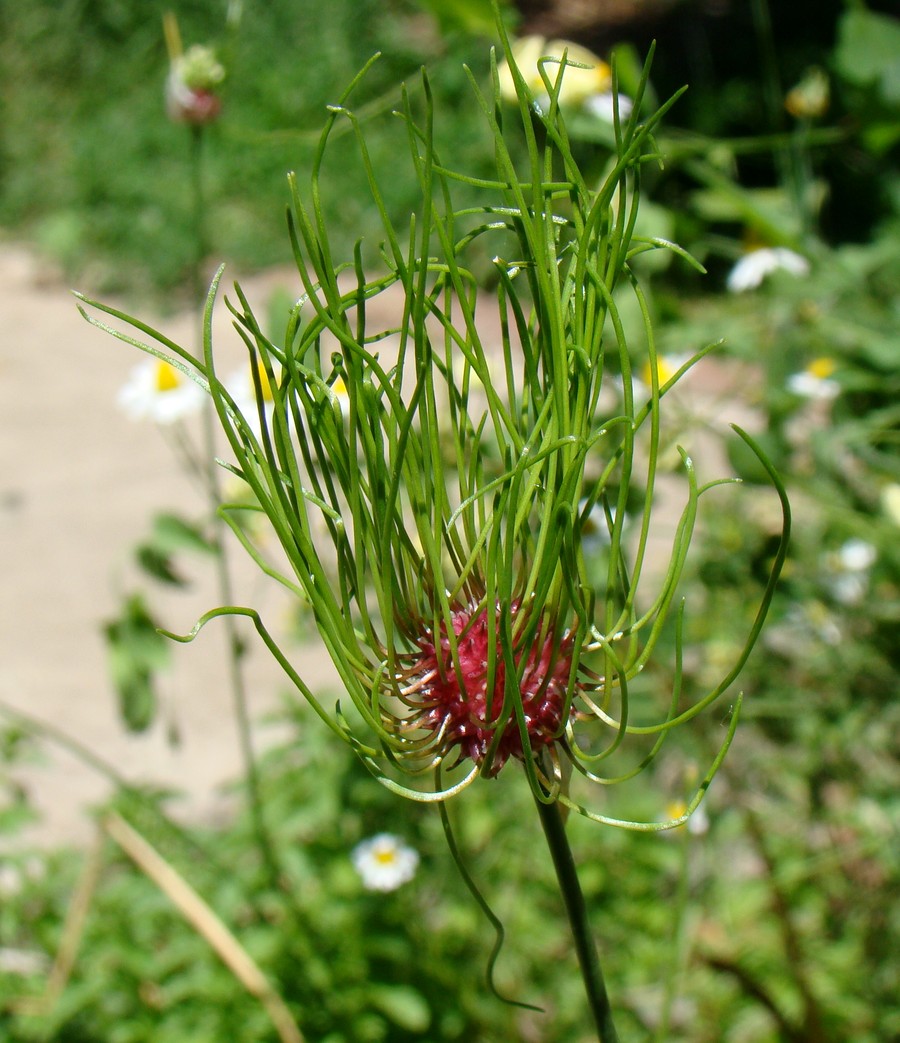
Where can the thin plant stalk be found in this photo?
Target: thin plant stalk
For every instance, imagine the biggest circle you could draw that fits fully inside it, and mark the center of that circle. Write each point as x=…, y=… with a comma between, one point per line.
x=791, y=158
x=198, y=215
x=679, y=932
x=71, y=938
x=579, y=922
x=205, y=921
x=213, y=492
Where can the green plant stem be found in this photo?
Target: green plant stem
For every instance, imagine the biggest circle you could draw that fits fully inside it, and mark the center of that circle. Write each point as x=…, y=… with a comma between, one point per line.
x=791, y=157
x=679, y=913
x=236, y=679
x=198, y=210
x=576, y=910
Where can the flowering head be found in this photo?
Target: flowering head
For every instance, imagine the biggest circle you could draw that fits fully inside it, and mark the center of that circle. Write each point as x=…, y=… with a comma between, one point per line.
x=195, y=77
x=809, y=99
x=192, y=86
x=435, y=476
x=157, y=391
x=461, y=700
x=665, y=367
x=384, y=862
x=570, y=74
x=584, y=74
x=815, y=381
x=754, y=267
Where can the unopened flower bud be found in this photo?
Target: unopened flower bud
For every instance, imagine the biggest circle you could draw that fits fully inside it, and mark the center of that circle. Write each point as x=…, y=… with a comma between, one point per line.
x=191, y=87
x=810, y=97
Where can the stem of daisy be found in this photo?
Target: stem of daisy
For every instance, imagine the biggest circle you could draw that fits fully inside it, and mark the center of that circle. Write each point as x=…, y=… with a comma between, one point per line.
x=235, y=669
x=198, y=208
x=223, y=574
x=576, y=910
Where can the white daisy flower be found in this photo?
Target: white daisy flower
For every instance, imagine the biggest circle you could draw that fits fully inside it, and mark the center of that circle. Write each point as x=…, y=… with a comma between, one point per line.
x=586, y=79
x=24, y=962
x=603, y=106
x=341, y=394
x=807, y=385
x=857, y=555
x=157, y=391
x=814, y=382
x=242, y=388
x=754, y=266
x=849, y=568
x=384, y=862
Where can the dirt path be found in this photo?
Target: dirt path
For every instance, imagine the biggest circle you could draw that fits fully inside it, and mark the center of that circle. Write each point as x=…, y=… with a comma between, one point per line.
x=79, y=483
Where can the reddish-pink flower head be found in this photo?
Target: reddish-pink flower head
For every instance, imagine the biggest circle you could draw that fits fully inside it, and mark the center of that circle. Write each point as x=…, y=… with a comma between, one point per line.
x=457, y=706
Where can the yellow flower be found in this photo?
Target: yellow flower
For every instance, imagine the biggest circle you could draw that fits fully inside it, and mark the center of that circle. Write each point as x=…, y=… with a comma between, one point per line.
x=697, y=824
x=822, y=368
x=264, y=384
x=675, y=809
x=666, y=368
x=242, y=388
x=166, y=376
x=578, y=84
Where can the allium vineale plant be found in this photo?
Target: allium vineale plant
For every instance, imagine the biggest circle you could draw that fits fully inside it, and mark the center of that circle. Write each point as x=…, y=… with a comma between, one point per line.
x=432, y=485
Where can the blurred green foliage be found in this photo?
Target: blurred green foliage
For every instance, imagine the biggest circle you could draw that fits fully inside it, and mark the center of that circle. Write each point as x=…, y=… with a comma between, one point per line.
x=93, y=170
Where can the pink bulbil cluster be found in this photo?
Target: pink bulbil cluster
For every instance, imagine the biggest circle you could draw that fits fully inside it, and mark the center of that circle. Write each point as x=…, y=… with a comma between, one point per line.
x=195, y=107
x=459, y=710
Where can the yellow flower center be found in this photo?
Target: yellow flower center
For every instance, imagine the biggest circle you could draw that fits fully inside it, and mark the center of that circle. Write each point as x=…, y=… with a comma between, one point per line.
x=385, y=857
x=665, y=370
x=821, y=368
x=166, y=377
x=264, y=384
x=675, y=809
x=578, y=83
